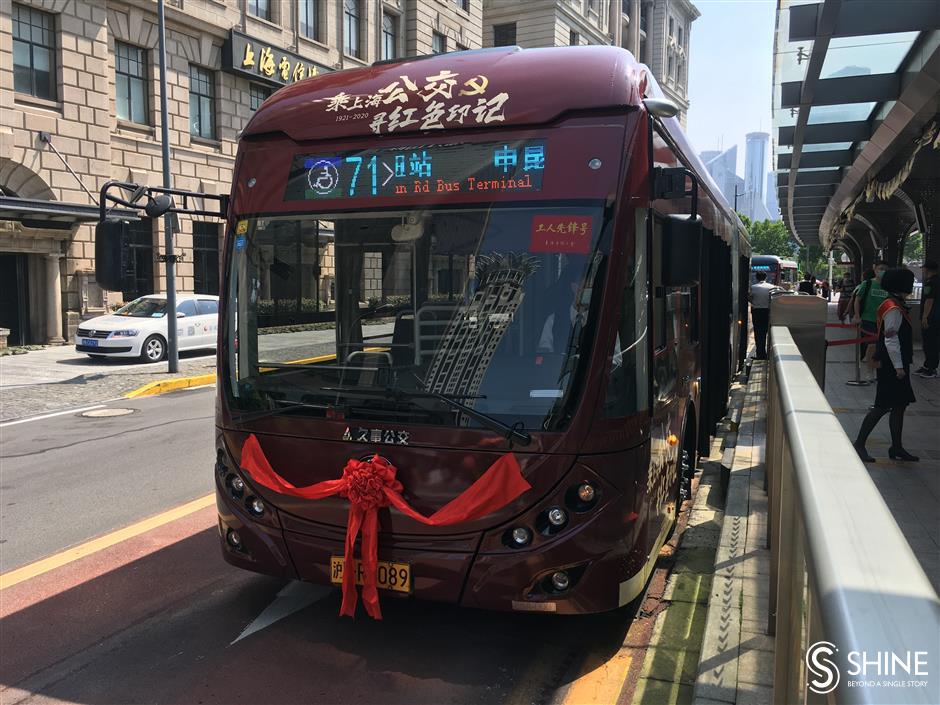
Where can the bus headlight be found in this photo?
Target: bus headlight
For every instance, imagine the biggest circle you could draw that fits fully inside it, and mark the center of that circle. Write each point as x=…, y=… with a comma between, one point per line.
x=518, y=537
x=557, y=517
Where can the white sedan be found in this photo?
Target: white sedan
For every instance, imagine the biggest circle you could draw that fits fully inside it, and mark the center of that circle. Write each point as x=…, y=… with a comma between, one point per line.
x=139, y=329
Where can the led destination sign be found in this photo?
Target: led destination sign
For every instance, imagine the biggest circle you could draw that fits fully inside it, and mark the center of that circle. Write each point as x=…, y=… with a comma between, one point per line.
x=495, y=167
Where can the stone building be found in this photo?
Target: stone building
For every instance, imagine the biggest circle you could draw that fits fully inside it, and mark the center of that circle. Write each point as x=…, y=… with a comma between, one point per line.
x=80, y=105
x=659, y=38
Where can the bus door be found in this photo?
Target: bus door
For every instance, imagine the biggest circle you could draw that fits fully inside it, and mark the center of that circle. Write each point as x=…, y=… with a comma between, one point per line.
x=716, y=318
x=666, y=402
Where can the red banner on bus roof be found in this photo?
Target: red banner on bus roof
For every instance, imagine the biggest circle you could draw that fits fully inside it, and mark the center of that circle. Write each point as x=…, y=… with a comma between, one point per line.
x=561, y=233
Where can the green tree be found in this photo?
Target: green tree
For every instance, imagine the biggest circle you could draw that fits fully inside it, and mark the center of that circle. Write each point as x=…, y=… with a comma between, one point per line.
x=769, y=237
x=813, y=259
x=914, y=247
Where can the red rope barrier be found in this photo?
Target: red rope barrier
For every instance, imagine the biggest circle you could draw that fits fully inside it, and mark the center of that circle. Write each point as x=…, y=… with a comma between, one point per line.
x=853, y=341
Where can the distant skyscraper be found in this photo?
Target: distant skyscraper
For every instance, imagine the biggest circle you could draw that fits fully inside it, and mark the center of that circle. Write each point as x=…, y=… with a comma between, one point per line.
x=721, y=165
x=773, y=207
x=755, y=163
x=755, y=176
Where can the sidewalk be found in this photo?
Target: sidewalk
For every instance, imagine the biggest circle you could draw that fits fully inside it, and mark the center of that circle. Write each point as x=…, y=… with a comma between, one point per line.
x=911, y=490
x=60, y=378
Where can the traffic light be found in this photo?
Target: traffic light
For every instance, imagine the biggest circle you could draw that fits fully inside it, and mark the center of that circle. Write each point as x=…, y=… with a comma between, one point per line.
x=113, y=266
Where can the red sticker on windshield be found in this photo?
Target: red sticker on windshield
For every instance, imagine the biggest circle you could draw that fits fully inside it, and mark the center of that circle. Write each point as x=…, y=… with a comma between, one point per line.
x=561, y=233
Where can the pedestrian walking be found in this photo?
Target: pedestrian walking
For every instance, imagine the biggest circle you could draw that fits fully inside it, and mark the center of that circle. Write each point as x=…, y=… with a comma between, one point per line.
x=930, y=322
x=808, y=285
x=868, y=297
x=893, y=357
x=760, y=312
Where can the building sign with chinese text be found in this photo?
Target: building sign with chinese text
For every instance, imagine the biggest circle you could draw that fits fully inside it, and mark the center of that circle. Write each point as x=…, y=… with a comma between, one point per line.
x=258, y=60
x=443, y=99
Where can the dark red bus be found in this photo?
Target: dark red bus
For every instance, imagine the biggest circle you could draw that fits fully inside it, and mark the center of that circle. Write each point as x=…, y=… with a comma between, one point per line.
x=443, y=260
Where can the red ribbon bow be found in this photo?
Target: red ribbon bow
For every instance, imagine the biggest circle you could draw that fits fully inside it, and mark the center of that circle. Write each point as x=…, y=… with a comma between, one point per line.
x=370, y=485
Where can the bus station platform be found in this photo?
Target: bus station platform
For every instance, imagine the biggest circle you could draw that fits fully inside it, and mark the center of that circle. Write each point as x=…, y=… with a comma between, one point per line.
x=738, y=658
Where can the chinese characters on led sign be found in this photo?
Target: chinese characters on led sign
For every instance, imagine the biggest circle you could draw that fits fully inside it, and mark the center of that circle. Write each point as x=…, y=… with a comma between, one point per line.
x=454, y=168
x=443, y=99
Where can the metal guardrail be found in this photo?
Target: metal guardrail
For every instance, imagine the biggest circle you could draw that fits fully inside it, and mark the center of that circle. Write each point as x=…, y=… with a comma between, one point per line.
x=845, y=586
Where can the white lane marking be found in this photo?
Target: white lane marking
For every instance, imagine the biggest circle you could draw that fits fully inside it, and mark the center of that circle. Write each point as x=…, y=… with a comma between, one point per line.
x=49, y=416
x=293, y=597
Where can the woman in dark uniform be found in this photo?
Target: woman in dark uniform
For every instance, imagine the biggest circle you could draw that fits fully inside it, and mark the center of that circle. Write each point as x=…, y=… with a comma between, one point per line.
x=894, y=354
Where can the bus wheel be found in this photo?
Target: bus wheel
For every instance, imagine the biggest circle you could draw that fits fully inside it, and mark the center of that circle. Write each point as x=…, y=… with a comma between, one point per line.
x=688, y=463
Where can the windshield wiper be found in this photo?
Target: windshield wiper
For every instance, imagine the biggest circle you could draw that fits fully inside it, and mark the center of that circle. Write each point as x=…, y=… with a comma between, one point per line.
x=262, y=413
x=510, y=433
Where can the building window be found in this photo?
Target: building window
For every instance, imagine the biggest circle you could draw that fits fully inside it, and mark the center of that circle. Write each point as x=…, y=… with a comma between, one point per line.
x=671, y=67
x=257, y=94
x=574, y=39
x=140, y=259
x=33, y=52
x=205, y=258
x=504, y=35
x=438, y=43
x=130, y=72
x=672, y=29
x=309, y=14
x=461, y=47
x=260, y=8
x=389, y=36
x=201, y=102
x=351, y=24
x=463, y=5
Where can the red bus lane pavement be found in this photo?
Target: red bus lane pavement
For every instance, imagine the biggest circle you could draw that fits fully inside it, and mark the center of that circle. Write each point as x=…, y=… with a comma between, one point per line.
x=159, y=617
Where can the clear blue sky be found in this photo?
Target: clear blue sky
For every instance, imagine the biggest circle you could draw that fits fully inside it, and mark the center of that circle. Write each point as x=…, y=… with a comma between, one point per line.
x=730, y=73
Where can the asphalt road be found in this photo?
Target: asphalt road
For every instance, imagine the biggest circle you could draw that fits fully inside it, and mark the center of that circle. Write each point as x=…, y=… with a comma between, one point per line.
x=159, y=617
x=68, y=477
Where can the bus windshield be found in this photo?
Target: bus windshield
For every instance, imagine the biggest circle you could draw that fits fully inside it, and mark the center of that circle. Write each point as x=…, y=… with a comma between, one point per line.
x=377, y=315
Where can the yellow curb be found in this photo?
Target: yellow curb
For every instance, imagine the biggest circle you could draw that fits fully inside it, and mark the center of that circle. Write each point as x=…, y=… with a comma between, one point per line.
x=170, y=385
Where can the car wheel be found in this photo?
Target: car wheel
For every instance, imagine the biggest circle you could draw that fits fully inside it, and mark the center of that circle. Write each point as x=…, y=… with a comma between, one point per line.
x=153, y=349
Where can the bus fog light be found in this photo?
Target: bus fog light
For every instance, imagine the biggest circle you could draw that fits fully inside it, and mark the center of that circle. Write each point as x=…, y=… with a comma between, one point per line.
x=521, y=536
x=233, y=539
x=236, y=485
x=560, y=580
x=255, y=506
x=557, y=517
x=586, y=492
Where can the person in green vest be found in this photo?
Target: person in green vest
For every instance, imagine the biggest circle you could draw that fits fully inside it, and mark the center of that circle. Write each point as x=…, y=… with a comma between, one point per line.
x=868, y=296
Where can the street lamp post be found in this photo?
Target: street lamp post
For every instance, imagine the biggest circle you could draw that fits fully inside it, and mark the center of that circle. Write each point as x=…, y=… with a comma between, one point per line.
x=172, y=344
x=736, y=194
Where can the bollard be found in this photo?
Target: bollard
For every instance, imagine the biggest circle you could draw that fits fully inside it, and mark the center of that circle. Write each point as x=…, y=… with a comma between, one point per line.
x=858, y=381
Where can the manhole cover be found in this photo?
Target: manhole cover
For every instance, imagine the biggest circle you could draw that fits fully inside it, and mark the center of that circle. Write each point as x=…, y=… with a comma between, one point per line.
x=106, y=413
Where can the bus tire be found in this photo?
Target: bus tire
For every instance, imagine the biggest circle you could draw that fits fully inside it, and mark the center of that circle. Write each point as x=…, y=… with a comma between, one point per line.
x=153, y=349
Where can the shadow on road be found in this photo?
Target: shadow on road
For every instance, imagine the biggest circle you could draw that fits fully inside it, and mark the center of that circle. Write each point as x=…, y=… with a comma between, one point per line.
x=82, y=360
x=160, y=630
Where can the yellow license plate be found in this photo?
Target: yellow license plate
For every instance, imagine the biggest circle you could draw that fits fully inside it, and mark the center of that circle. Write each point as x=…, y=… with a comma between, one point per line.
x=389, y=576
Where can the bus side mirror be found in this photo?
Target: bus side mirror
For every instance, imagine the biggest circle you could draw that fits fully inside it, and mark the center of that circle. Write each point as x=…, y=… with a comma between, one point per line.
x=112, y=255
x=682, y=241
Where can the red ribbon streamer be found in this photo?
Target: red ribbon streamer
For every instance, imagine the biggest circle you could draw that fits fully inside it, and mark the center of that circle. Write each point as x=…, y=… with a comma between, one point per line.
x=370, y=485
x=853, y=341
